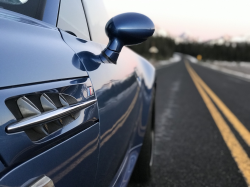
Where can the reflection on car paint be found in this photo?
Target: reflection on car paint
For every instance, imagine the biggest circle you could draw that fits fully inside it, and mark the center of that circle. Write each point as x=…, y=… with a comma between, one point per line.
x=69, y=163
x=120, y=122
x=72, y=162
x=123, y=175
x=123, y=103
x=123, y=91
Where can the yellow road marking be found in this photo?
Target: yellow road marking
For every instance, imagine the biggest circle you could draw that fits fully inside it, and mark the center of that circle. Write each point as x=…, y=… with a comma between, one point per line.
x=242, y=130
x=238, y=153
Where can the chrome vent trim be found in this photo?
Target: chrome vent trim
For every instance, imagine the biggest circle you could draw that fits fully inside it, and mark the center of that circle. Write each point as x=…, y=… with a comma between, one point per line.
x=27, y=108
x=47, y=117
x=35, y=104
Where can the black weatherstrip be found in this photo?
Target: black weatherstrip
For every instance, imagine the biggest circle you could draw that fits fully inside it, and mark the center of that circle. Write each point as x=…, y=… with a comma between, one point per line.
x=58, y=12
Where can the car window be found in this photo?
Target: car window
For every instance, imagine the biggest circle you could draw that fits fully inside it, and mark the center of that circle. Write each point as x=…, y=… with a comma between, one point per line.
x=33, y=8
x=72, y=18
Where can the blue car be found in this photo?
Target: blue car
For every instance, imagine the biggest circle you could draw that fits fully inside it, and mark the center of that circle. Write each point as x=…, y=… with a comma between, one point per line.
x=76, y=105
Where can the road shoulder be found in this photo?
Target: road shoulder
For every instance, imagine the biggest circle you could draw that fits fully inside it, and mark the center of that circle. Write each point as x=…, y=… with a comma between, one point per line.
x=240, y=70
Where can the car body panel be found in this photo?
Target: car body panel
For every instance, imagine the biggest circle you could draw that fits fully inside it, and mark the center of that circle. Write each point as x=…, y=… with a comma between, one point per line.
x=103, y=154
x=34, y=60
x=124, y=93
x=45, y=56
x=73, y=167
x=123, y=175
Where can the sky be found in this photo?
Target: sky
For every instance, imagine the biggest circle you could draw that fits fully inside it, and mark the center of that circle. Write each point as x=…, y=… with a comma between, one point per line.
x=202, y=19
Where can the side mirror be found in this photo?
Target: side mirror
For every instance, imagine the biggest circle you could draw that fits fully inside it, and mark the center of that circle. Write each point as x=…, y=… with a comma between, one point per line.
x=125, y=29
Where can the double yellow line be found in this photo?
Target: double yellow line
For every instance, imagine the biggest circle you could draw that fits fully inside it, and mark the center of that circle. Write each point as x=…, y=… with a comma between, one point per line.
x=238, y=153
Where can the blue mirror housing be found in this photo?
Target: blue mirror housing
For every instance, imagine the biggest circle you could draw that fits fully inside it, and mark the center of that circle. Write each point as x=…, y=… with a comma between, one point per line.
x=124, y=30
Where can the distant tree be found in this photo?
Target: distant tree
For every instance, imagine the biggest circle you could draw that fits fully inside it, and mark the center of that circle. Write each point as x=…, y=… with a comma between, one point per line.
x=166, y=47
x=229, y=52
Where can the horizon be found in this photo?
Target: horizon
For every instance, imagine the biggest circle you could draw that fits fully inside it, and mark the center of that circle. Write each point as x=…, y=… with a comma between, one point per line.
x=205, y=20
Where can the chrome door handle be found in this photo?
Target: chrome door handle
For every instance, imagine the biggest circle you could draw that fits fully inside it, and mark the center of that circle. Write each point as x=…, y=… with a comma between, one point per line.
x=42, y=181
x=45, y=117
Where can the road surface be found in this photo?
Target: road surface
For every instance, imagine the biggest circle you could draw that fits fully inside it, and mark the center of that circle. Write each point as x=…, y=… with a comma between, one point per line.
x=202, y=128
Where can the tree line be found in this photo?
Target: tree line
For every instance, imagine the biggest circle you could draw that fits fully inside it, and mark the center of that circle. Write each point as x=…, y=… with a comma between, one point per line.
x=167, y=46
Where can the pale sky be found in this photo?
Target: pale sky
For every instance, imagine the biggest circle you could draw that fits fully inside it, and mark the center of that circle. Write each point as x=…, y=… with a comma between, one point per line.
x=204, y=19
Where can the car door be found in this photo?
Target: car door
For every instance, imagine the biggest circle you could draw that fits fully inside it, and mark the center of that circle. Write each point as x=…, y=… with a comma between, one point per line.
x=118, y=92
x=49, y=121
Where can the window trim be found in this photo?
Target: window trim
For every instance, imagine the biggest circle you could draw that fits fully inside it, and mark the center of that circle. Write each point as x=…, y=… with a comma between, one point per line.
x=51, y=7
x=86, y=19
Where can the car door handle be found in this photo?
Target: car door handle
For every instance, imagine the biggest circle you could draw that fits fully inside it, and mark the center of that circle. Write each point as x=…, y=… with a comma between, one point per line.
x=46, y=117
x=42, y=181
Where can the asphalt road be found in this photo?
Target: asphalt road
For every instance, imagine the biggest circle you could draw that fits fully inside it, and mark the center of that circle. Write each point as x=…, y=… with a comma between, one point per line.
x=193, y=148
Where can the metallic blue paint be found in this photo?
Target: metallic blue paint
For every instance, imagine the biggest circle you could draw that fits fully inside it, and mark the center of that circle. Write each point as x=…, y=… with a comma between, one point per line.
x=123, y=103
x=2, y=167
x=33, y=51
x=126, y=29
x=36, y=59
x=70, y=163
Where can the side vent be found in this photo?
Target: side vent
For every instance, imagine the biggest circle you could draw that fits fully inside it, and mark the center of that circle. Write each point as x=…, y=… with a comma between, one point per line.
x=27, y=108
x=68, y=119
x=44, y=116
x=47, y=103
x=63, y=100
